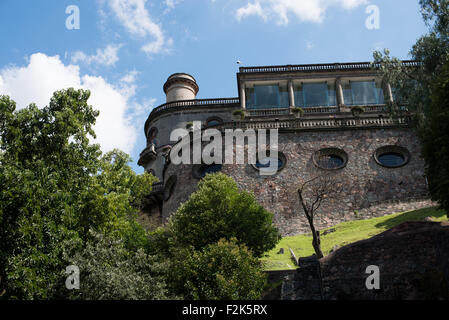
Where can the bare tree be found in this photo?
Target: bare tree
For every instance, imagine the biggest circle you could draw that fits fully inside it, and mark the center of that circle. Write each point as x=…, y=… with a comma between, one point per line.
x=312, y=193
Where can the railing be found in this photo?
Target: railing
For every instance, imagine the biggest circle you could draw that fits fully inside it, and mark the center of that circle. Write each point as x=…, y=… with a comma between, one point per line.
x=157, y=187
x=196, y=102
x=147, y=153
x=376, y=108
x=185, y=104
x=267, y=112
x=312, y=110
x=286, y=111
x=305, y=124
x=320, y=67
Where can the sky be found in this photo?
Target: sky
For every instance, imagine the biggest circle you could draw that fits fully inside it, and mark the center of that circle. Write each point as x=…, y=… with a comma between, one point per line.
x=124, y=50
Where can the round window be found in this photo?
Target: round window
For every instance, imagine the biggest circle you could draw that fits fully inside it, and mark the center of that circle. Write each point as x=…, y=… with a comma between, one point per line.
x=200, y=171
x=214, y=121
x=266, y=163
x=330, y=158
x=392, y=156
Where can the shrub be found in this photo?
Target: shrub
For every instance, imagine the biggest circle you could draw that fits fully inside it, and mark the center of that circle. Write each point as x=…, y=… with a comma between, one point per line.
x=239, y=114
x=298, y=111
x=218, y=209
x=221, y=271
x=109, y=271
x=356, y=110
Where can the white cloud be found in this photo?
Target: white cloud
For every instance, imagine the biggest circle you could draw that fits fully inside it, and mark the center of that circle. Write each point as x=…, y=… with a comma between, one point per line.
x=172, y=3
x=250, y=9
x=133, y=15
x=305, y=10
x=43, y=75
x=106, y=57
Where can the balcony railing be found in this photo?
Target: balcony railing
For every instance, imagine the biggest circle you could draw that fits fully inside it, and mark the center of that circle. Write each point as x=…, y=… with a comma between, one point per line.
x=306, y=124
x=157, y=187
x=187, y=104
x=149, y=153
x=196, y=102
x=319, y=67
x=309, y=110
x=267, y=112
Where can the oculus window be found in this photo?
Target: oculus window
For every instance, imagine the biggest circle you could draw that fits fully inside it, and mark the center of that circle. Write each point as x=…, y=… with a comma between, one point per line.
x=392, y=156
x=214, y=121
x=200, y=171
x=264, y=165
x=330, y=159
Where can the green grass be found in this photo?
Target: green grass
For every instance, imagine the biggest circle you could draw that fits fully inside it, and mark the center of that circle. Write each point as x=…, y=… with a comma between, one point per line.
x=345, y=233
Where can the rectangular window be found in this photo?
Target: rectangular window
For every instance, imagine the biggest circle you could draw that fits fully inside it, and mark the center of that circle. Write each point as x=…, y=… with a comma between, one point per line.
x=283, y=96
x=363, y=93
x=249, y=94
x=267, y=97
x=320, y=94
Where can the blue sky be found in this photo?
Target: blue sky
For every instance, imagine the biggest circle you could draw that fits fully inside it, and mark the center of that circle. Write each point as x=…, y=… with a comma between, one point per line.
x=124, y=50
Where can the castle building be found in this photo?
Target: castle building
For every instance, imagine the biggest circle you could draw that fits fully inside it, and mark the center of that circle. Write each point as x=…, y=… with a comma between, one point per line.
x=331, y=118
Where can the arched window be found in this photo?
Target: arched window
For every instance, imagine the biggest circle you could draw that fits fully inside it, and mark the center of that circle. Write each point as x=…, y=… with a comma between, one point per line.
x=152, y=134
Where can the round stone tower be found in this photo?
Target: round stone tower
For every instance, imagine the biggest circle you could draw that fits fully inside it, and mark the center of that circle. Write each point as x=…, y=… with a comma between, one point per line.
x=180, y=86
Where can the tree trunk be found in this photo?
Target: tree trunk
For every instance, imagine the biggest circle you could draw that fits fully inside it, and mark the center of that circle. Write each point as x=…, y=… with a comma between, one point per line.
x=316, y=243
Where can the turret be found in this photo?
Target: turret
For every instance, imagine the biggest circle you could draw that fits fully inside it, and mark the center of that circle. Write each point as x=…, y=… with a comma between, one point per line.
x=180, y=86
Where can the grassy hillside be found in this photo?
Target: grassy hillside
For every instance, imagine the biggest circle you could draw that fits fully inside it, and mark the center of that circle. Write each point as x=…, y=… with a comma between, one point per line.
x=345, y=233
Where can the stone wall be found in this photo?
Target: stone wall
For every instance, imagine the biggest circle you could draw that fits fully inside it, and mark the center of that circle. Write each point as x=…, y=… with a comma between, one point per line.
x=369, y=189
x=413, y=261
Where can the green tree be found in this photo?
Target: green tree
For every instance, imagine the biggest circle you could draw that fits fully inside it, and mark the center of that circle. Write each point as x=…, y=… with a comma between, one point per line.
x=218, y=209
x=54, y=188
x=414, y=88
x=220, y=271
x=435, y=138
x=111, y=272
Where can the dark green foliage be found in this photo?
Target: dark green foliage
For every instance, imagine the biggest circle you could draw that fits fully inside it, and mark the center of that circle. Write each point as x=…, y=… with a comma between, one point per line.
x=435, y=140
x=111, y=272
x=54, y=188
x=239, y=114
x=298, y=111
x=218, y=209
x=220, y=271
x=425, y=90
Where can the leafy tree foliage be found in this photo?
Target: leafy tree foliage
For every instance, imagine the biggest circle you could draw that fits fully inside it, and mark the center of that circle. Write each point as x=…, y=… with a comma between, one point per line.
x=423, y=90
x=111, y=272
x=218, y=209
x=54, y=188
x=435, y=139
x=220, y=271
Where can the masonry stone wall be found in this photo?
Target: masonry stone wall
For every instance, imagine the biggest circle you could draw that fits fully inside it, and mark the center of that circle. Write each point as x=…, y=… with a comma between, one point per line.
x=413, y=262
x=369, y=189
